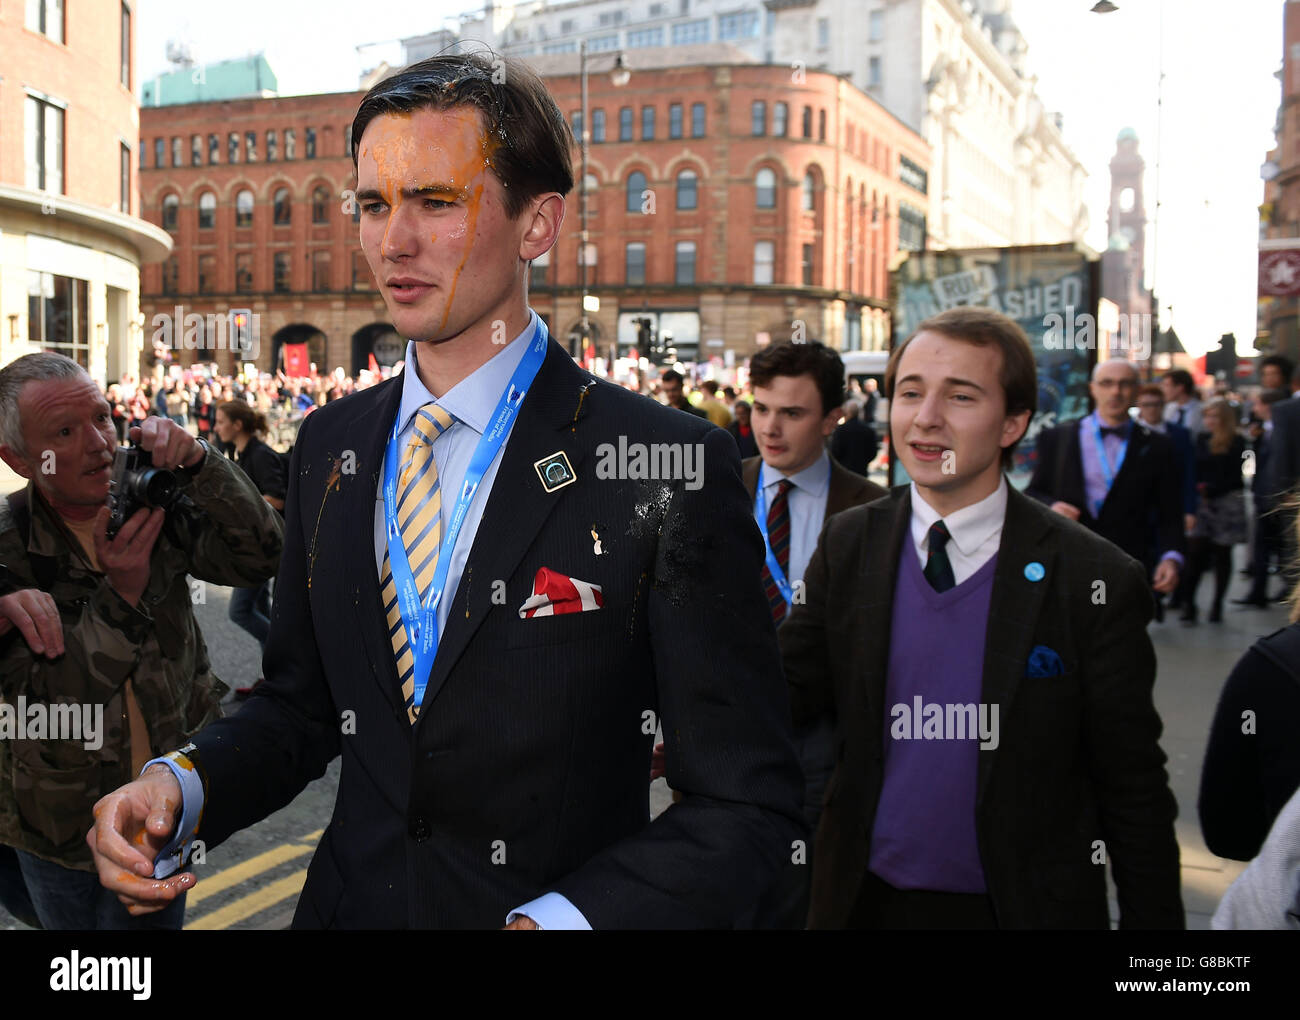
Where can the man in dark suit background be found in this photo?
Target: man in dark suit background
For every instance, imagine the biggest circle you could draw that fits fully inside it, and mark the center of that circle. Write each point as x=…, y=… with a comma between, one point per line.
x=1283, y=472
x=605, y=543
x=854, y=443
x=990, y=676
x=1114, y=476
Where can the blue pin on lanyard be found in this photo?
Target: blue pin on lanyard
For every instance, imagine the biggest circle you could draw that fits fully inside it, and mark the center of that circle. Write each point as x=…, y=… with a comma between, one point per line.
x=421, y=619
x=1108, y=473
x=773, y=567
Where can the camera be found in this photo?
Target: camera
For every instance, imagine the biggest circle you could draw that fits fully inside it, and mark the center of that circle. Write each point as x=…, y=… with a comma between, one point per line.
x=136, y=483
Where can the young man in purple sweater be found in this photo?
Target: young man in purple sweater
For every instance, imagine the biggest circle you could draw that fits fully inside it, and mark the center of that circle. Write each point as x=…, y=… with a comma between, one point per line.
x=987, y=665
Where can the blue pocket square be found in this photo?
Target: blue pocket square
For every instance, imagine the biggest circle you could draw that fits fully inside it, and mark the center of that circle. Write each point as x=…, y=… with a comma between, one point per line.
x=1043, y=662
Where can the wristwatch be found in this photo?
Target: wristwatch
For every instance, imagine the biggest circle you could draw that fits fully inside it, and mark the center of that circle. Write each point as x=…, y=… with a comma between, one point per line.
x=187, y=473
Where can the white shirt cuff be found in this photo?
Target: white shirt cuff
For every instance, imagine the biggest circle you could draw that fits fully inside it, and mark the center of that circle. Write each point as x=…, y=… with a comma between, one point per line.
x=552, y=912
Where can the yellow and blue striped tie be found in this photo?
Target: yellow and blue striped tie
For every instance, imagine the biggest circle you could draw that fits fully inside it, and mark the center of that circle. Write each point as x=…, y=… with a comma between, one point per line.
x=419, y=516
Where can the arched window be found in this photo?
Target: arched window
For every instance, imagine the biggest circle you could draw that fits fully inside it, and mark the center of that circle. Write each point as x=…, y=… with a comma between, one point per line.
x=320, y=201
x=207, y=211
x=765, y=188
x=171, y=206
x=244, y=208
x=687, y=190
x=282, y=207
x=636, y=187
x=809, y=192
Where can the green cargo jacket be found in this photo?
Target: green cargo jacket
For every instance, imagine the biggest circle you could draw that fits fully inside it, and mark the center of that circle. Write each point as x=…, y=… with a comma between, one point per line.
x=48, y=787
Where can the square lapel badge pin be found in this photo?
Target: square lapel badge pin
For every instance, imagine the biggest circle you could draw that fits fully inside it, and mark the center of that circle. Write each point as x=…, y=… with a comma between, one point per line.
x=555, y=471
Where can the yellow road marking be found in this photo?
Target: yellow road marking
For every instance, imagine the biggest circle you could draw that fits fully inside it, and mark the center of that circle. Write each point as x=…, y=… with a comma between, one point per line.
x=253, y=903
x=244, y=870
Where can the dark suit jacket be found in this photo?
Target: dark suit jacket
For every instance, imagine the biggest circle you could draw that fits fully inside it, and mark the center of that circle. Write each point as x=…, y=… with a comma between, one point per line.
x=1185, y=451
x=747, y=445
x=1147, y=491
x=1284, y=452
x=526, y=770
x=854, y=444
x=1078, y=758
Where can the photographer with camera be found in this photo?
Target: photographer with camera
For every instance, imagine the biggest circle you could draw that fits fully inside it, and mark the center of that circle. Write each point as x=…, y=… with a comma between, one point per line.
x=89, y=540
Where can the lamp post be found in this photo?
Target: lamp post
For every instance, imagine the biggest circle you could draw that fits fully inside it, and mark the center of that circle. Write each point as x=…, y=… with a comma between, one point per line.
x=618, y=77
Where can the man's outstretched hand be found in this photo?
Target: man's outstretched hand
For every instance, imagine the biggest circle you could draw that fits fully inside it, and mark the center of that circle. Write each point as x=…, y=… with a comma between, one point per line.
x=132, y=824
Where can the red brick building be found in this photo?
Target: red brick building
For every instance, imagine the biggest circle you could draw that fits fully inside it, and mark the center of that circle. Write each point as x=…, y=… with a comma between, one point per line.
x=728, y=202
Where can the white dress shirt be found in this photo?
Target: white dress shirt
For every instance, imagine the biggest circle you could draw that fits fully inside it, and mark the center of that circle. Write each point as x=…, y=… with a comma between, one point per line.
x=976, y=531
x=807, y=503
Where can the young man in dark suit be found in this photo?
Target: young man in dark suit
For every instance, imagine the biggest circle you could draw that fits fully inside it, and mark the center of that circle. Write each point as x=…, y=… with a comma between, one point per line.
x=1116, y=477
x=988, y=668
x=607, y=540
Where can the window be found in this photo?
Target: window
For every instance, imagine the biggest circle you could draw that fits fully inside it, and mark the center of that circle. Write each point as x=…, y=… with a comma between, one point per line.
x=309, y=144
x=634, y=267
x=873, y=72
x=602, y=43
x=687, y=32
x=207, y=274
x=687, y=190
x=809, y=192
x=272, y=149
x=875, y=26
x=821, y=125
x=320, y=201
x=807, y=121
x=807, y=265
x=207, y=210
x=244, y=208
x=684, y=263
x=568, y=25
x=320, y=271
x=281, y=207
x=171, y=276
x=697, y=120
x=597, y=126
x=244, y=272
x=196, y=150
x=823, y=33
x=765, y=188
x=159, y=153
x=232, y=147
x=171, y=207
x=911, y=228
x=144, y=154
x=561, y=47
x=647, y=123
x=675, y=120
x=124, y=161
x=125, y=77
x=780, y=118
x=636, y=187
x=361, y=279
x=644, y=37
x=281, y=283
x=46, y=17
x=214, y=149
x=250, y=146
x=575, y=122
x=58, y=315
x=289, y=139
x=44, y=144
x=625, y=124
x=176, y=152
x=764, y=261
x=537, y=270
x=347, y=140
x=743, y=25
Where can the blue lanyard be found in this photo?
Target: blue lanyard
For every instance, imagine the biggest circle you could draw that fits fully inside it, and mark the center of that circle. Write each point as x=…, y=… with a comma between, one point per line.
x=421, y=620
x=760, y=515
x=1107, y=472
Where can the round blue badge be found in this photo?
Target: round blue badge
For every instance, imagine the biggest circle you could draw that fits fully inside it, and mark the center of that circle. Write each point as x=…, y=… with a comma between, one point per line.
x=1034, y=571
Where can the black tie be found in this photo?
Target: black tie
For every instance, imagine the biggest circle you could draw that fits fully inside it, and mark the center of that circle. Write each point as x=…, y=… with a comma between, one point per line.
x=938, y=571
x=1112, y=430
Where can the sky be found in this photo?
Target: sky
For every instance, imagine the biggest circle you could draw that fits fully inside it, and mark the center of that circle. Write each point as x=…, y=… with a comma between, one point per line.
x=1220, y=100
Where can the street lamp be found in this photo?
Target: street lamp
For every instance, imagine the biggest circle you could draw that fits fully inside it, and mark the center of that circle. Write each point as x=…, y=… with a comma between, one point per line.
x=619, y=76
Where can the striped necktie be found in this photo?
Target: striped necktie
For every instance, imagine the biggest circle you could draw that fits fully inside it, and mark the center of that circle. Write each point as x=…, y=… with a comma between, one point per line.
x=419, y=516
x=778, y=537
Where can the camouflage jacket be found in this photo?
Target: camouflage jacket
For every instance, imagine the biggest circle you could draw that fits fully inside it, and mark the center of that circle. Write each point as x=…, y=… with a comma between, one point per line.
x=230, y=536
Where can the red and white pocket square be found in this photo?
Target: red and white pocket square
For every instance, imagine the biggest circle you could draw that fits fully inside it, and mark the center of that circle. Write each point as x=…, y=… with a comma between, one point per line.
x=555, y=593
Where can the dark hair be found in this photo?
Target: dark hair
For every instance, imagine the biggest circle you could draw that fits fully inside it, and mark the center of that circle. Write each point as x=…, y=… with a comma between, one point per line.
x=532, y=140
x=1183, y=378
x=250, y=421
x=1282, y=363
x=672, y=375
x=811, y=358
x=984, y=327
x=1151, y=390
x=710, y=387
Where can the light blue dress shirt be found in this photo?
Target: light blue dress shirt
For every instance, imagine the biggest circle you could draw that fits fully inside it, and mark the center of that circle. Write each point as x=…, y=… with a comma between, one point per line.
x=807, y=503
x=471, y=402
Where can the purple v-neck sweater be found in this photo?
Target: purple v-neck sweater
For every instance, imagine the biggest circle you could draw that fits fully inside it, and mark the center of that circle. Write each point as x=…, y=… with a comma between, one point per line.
x=924, y=832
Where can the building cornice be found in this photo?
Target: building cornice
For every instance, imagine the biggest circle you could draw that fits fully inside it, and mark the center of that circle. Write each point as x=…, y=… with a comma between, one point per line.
x=152, y=244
